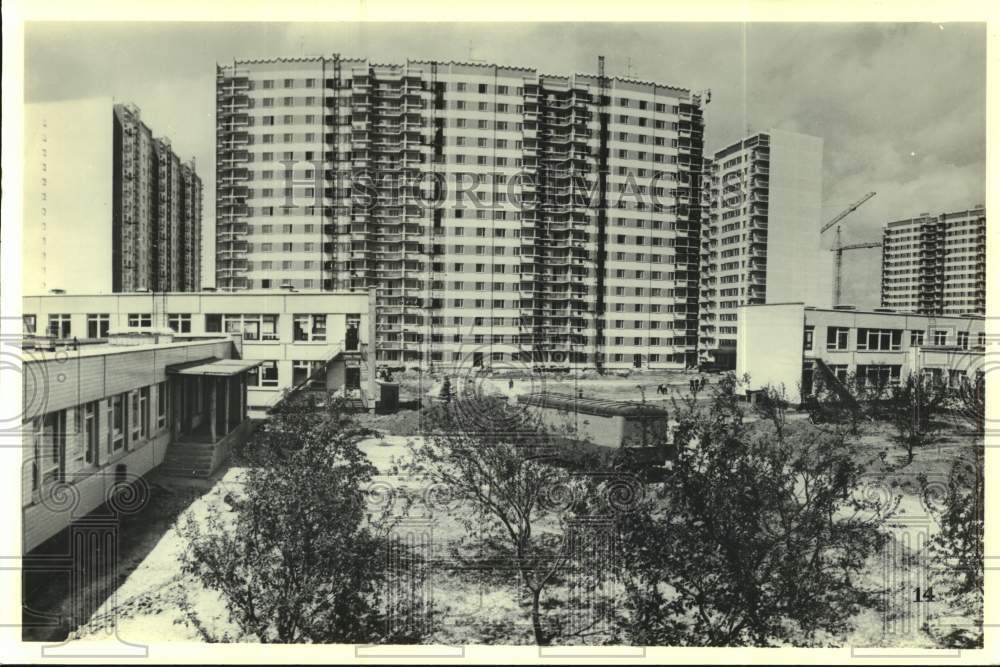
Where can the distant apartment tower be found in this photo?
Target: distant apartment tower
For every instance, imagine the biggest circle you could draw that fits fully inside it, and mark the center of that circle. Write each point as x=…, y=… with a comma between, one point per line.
x=578, y=246
x=156, y=211
x=936, y=265
x=761, y=241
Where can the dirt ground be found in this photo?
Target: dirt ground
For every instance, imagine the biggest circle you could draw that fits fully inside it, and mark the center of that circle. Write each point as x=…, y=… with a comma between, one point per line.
x=154, y=601
x=626, y=387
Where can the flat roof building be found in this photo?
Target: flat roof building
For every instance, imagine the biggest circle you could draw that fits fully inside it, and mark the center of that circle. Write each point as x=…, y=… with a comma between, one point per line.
x=292, y=334
x=108, y=206
x=156, y=211
x=100, y=416
x=936, y=265
x=761, y=243
x=781, y=344
x=507, y=218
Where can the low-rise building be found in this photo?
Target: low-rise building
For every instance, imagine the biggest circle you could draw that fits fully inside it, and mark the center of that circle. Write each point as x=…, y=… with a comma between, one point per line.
x=781, y=344
x=292, y=334
x=641, y=429
x=98, y=417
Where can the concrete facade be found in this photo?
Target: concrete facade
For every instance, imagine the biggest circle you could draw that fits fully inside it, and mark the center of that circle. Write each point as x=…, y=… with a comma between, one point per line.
x=292, y=332
x=936, y=265
x=102, y=415
x=778, y=344
x=761, y=243
x=326, y=166
x=66, y=236
x=156, y=211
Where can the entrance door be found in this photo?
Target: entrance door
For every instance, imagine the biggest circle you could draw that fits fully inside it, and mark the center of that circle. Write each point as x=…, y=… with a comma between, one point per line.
x=352, y=378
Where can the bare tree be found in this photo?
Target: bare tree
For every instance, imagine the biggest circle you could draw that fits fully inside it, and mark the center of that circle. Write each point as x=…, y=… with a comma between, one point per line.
x=911, y=408
x=771, y=403
x=501, y=465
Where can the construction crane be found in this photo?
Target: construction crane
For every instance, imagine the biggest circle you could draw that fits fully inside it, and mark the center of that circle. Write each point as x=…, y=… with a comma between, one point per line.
x=839, y=248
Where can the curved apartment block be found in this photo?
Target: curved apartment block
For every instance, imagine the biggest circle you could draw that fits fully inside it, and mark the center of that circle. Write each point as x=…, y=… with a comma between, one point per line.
x=506, y=218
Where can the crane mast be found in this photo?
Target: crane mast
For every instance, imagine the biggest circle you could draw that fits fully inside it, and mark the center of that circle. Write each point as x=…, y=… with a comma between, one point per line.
x=839, y=248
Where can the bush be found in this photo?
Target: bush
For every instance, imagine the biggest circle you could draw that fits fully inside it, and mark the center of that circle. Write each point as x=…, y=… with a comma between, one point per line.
x=753, y=539
x=302, y=560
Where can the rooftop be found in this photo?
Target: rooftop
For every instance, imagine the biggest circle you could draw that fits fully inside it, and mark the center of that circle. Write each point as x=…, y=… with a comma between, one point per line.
x=592, y=406
x=209, y=293
x=64, y=350
x=882, y=311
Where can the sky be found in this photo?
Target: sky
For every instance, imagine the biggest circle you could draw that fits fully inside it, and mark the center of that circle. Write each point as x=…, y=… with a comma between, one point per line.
x=901, y=107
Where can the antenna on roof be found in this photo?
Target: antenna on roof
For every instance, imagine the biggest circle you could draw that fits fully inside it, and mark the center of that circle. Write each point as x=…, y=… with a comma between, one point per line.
x=628, y=68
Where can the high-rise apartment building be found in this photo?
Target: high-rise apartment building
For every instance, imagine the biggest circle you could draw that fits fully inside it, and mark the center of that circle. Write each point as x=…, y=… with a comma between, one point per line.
x=156, y=211
x=936, y=265
x=506, y=218
x=761, y=242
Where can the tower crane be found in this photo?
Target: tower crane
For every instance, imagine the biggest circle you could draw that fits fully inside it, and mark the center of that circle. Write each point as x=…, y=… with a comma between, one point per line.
x=839, y=248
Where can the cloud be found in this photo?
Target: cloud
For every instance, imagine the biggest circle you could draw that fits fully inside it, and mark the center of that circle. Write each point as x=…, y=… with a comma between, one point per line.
x=901, y=107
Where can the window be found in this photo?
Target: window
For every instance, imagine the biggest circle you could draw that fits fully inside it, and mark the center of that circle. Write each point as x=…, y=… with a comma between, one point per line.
x=310, y=328
x=836, y=338
x=140, y=320
x=49, y=448
x=162, y=397
x=940, y=337
x=963, y=340
x=265, y=375
x=98, y=325
x=807, y=341
x=59, y=325
x=879, y=339
x=179, y=322
x=118, y=420
x=916, y=338
x=135, y=409
x=302, y=370
x=29, y=323
x=839, y=371
x=878, y=375
x=253, y=327
x=143, y=412
x=91, y=431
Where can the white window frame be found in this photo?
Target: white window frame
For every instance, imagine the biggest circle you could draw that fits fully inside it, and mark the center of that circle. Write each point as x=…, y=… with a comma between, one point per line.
x=50, y=448
x=91, y=428
x=140, y=320
x=179, y=322
x=162, y=405
x=116, y=434
x=135, y=424
x=255, y=377
x=98, y=319
x=60, y=325
x=309, y=328
x=144, y=412
x=836, y=344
